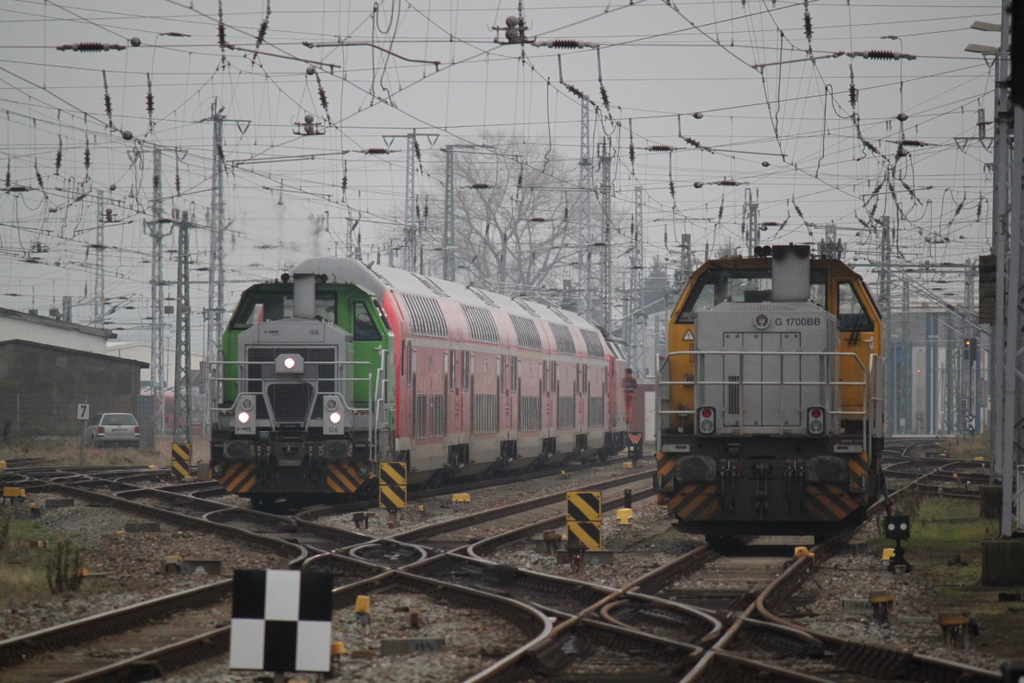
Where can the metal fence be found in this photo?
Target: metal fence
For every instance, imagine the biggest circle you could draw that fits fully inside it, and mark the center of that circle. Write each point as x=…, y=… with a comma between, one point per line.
x=35, y=415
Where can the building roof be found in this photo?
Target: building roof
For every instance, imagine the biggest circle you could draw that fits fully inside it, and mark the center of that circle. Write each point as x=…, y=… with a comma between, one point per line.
x=50, y=322
x=61, y=349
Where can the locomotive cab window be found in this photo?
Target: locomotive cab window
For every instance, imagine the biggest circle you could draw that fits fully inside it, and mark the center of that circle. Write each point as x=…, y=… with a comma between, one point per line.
x=747, y=285
x=363, y=328
x=852, y=316
x=264, y=306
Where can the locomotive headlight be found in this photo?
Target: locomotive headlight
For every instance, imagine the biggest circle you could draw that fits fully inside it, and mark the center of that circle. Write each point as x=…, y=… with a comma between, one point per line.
x=815, y=421
x=706, y=420
x=245, y=408
x=333, y=415
x=288, y=364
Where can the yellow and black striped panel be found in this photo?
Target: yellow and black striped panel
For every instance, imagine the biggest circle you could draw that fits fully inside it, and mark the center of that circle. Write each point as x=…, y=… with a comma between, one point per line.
x=393, y=497
x=586, y=535
x=695, y=501
x=666, y=470
x=829, y=502
x=858, y=465
x=344, y=477
x=238, y=477
x=181, y=460
x=394, y=473
x=583, y=506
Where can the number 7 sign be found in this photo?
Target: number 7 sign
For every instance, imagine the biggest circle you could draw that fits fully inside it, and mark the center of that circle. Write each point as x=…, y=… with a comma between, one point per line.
x=83, y=411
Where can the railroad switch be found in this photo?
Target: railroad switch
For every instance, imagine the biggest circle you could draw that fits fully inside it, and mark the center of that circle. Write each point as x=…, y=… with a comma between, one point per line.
x=34, y=511
x=881, y=606
x=361, y=520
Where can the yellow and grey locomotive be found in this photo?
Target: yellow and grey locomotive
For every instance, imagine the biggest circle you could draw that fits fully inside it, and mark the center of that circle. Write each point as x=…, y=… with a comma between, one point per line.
x=770, y=398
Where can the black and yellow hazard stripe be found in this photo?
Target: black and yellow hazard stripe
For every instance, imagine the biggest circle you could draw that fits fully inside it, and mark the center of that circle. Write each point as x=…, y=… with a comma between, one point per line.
x=393, y=497
x=394, y=473
x=181, y=460
x=583, y=506
x=586, y=535
x=344, y=477
x=394, y=492
x=695, y=501
x=238, y=477
x=830, y=502
x=666, y=465
x=858, y=465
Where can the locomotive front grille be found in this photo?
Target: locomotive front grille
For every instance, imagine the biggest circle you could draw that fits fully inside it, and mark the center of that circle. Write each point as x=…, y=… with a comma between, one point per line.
x=290, y=402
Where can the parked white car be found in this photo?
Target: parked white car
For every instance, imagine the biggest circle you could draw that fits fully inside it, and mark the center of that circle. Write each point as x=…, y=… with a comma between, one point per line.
x=115, y=429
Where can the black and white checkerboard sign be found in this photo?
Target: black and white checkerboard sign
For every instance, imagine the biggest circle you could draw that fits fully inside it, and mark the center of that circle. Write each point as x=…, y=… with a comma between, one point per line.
x=281, y=620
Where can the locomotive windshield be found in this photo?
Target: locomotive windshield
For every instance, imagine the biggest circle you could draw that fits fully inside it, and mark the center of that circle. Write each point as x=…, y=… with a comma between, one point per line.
x=720, y=285
x=263, y=306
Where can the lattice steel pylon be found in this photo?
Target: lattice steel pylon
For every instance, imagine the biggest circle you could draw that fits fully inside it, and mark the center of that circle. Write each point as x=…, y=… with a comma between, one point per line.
x=182, y=336
x=634, y=319
x=155, y=230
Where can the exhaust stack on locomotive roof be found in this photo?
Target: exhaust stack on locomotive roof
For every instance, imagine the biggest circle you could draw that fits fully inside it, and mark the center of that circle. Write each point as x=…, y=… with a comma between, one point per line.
x=305, y=295
x=791, y=273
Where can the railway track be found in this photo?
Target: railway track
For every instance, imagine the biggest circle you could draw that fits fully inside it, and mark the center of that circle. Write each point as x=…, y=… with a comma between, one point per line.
x=584, y=629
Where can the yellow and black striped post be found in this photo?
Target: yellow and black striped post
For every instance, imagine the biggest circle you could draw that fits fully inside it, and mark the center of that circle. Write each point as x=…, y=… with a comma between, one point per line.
x=583, y=519
x=181, y=460
x=394, y=490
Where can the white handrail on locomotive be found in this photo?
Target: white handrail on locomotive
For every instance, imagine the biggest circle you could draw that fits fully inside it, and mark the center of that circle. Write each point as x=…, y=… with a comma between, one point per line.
x=662, y=386
x=219, y=380
x=378, y=403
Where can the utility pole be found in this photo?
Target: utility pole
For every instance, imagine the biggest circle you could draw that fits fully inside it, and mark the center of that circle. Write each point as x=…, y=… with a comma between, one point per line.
x=751, y=223
x=584, y=277
x=155, y=230
x=448, y=236
x=182, y=338
x=411, y=224
x=410, y=246
x=606, y=239
x=99, y=282
x=885, y=303
x=215, y=302
x=634, y=319
x=1008, y=405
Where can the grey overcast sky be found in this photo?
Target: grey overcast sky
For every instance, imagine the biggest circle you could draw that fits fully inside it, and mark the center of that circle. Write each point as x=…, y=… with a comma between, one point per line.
x=760, y=86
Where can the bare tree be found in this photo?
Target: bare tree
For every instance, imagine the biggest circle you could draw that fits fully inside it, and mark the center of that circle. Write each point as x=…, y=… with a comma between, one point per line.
x=517, y=218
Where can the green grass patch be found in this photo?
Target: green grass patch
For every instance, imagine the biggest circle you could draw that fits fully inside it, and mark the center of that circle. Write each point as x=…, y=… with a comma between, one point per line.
x=23, y=569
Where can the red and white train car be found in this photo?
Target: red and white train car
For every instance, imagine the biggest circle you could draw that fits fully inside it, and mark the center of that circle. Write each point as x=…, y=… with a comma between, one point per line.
x=486, y=382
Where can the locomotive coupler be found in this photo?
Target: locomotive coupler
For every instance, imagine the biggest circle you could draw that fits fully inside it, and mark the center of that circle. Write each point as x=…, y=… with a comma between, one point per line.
x=761, y=472
x=728, y=472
